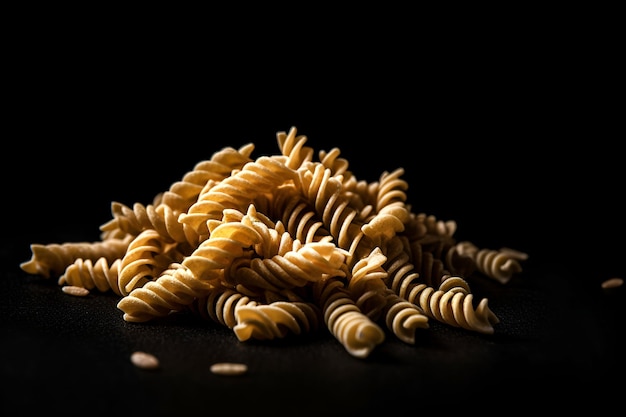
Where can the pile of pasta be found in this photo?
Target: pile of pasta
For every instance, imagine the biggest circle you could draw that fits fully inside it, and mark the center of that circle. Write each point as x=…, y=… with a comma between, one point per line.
x=283, y=245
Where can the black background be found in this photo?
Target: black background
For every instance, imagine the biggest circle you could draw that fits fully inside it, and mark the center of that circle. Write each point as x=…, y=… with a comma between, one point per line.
x=518, y=144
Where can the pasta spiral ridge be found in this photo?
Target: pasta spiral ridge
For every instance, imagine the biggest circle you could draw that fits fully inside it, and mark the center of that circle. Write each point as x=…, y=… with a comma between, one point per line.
x=299, y=216
x=160, y=218
x=495, y=264
x=146, y=257
x=292, y=146
x=358, y=334
x=194, y=276
x=237, y=191
x=324, y=192
x=88, y=274
x=182, y=194
x=403, y=318
x=275, y=320
x=175, y=289
x=366, y=283
x=303, y=264
x=53, y=259
x=453, y=304
x=220, y=305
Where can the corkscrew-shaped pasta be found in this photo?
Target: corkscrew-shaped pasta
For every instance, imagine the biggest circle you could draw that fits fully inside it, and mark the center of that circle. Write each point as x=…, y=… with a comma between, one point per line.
x=271, y=246
x=53, y=259
x=175, y=289
x=88, y=274
x=390, y=211
x=358, y=334
x=220, y=305
x=292, y=146
x=404, y=318
x=304, y=264
x=498, y=265
x=275, y=320
x=237, y=191
x=458, y=262
x=146, y=257
x=182, y=194
x=431, y=269
x=324, y=192
x=195, y=276
x=299, y=217
x=160, y=218
x=366, y=284
x=453, y=304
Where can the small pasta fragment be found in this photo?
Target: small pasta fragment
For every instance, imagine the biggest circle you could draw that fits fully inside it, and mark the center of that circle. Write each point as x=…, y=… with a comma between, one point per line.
x=74, y=290
x=612, y=283
x=229, y=368
x=144, y=360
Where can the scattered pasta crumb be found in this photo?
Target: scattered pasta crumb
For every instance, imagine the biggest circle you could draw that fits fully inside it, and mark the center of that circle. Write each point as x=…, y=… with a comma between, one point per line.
x=229, y=368
x=74, y=290
x=144, y=360
x=612, y=283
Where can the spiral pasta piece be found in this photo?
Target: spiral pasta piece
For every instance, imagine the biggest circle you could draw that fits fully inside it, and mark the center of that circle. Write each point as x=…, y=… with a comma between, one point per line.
x=453, y=304
x=237, y=191
x=358, y=334
x=146, y=257
x=304, y=264
x=182, y=194
x=498, y=265
x=52, y=259
x=324, y=192
x=88, y=274
x=292, y=146
x=366, y=283
x=299, y=217
x=160, y=218
x=172, y=291
x=404, y=318
x=220, y=305
x=195, y=276
x=275, y=320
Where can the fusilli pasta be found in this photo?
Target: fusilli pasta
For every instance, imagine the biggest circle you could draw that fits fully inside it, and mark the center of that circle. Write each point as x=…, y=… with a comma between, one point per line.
x=279, y=245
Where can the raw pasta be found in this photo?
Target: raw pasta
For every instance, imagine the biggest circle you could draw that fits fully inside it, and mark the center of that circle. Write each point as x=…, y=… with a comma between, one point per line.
x=279, y=245
x=52, y=259
x=87, y=274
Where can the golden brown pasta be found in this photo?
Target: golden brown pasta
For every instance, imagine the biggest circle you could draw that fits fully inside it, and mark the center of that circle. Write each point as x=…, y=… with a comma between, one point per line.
x=147, y=256
x=52, y=259
x=182, y=194
x=358, y=334
x=160, y=218
x=494, y=264
x=403, y=318
x=88, y=274
x=453, y=304
x=194, y=276
x=220, y=305
x=237, y=191
x=275, y=320
x=274, y=245
x=366, y=284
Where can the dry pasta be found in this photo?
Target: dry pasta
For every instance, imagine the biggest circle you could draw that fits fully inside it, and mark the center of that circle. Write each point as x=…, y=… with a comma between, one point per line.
x=88, y=274
x=52, y=259
x=281, y=245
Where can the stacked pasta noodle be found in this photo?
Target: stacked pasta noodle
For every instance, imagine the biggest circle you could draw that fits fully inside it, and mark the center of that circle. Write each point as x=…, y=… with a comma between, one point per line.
x=285, y=244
